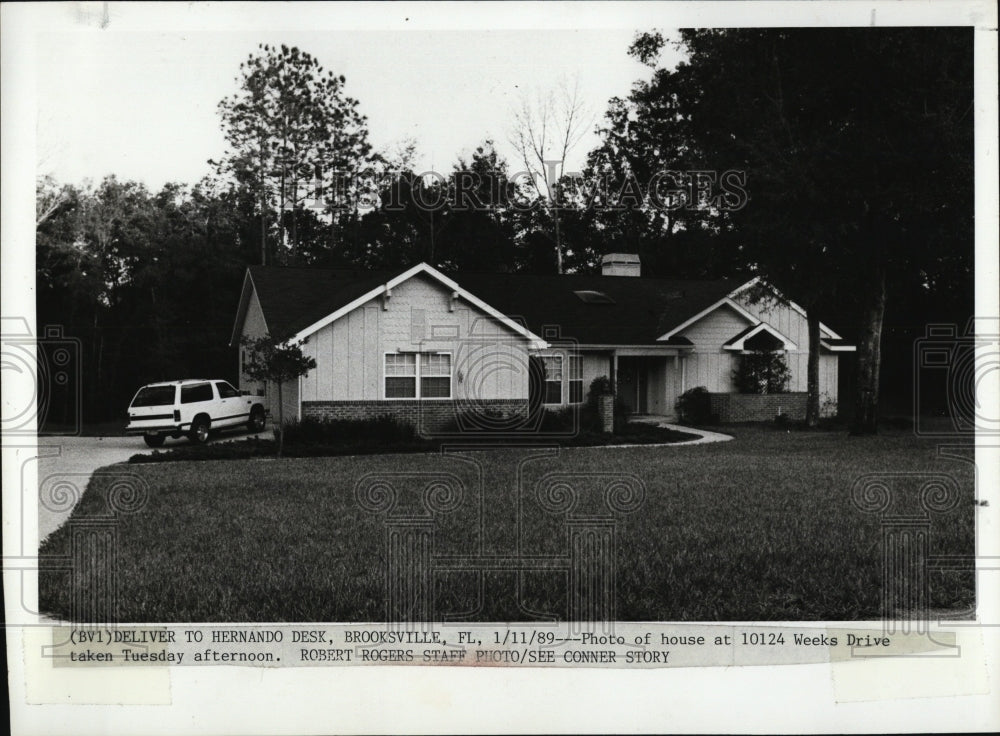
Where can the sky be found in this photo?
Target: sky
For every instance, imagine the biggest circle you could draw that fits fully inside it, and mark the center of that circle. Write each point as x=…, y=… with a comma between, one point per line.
x=143, y=104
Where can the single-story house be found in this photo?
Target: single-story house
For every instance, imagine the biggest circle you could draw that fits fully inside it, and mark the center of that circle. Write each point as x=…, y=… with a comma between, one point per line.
x=421, y=344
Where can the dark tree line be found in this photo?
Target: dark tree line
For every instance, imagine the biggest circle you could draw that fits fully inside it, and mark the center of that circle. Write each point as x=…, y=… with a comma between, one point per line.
x=856, y=147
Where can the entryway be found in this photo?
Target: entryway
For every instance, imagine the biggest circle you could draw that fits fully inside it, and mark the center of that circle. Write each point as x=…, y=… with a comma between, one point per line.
x=633, y=389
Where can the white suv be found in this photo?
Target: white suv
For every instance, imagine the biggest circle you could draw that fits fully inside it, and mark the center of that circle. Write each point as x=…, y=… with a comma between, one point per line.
x=193, y=408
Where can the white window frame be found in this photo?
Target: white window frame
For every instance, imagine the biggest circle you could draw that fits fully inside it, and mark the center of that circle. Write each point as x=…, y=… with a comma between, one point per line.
x=420, y=376
x=562, y=380
x=417, y=376
x=569, y=379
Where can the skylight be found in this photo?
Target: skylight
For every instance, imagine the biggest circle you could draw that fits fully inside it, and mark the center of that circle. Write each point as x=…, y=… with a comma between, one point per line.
x=588, y=296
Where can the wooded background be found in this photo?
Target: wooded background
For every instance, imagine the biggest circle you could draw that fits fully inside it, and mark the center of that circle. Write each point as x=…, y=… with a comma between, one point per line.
x=857, y=146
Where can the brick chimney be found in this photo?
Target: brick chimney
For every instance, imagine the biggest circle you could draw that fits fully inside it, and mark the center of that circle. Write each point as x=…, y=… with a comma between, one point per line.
x=620, y=264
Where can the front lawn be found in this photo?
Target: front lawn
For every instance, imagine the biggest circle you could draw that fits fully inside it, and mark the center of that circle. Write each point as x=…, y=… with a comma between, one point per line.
x=760, y=528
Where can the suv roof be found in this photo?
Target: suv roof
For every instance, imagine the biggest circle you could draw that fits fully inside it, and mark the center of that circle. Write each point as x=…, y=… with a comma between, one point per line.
x=184, y=382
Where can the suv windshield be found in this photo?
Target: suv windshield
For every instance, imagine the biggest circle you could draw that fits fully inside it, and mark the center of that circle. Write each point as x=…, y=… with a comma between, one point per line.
x=154, y=396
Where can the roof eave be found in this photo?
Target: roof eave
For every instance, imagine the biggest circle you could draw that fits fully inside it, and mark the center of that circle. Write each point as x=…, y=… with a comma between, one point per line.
x=536, y=341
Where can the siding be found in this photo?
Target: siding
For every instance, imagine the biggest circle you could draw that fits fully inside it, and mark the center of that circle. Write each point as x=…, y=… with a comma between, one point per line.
x=711, y=366
x=715, y=328
x=595, y=365
x=253, y=327
x=489, y=361
x=785, y=320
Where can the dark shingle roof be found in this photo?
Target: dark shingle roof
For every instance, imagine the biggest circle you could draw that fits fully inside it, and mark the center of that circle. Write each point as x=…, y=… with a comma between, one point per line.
x=294, y=298
x=642, y=310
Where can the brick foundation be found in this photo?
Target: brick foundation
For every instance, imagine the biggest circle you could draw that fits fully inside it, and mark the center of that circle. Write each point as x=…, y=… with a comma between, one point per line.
x=428, y=417
x=758, y=407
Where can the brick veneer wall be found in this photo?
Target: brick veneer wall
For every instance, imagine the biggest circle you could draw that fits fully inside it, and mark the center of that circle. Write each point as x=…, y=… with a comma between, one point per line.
x=426, y=416
x=758, y=407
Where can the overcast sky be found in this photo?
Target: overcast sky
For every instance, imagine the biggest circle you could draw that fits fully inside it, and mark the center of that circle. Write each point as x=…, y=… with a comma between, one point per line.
x=143, y=105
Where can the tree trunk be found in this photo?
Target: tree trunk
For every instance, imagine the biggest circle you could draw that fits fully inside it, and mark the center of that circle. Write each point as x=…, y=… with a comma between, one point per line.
x=812, y=370
x=281, y=420
x=559, y=258
x=869, y=361
x=263, y=208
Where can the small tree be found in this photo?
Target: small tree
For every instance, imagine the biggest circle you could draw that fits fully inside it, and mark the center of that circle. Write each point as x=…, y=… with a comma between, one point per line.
x=762, y=372
x=269, y=359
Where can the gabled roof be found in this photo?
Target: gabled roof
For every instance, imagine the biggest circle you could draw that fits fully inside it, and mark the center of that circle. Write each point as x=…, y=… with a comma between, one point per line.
x=725, y=301
x=738, y=341
x=294, y=298
x=297, y=302
x=636, y=312
x=837, y=346
x=823, y=329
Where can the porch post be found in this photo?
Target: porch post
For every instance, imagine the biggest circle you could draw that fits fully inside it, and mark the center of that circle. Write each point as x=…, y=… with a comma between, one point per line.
x=614, y=372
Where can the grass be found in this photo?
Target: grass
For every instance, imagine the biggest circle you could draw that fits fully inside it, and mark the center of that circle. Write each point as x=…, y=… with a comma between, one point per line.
x=760, y=528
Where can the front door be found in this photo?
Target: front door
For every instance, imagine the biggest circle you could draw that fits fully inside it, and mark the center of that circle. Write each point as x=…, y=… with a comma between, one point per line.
x=630, y=389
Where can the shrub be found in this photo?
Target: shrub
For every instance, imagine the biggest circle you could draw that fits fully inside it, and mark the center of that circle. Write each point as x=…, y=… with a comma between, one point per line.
x=622, y=414
x=694, y=406
x=762, y=372
x=377, y=431
x=590, y=418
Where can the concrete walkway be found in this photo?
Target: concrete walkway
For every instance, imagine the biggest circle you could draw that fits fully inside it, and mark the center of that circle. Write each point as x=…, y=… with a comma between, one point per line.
x=66, y=464
x=704, y=436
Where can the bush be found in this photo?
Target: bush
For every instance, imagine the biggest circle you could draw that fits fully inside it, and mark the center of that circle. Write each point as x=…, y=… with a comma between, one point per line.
x=377, y=431
x=694, y=406
x=590, y=418
x=762, y=372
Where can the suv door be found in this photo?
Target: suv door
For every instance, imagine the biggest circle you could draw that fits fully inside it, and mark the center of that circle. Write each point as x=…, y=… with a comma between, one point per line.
x=197, y=398
x=234, y=408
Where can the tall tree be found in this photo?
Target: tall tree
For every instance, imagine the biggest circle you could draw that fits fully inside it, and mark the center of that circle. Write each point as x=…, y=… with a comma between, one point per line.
x=857, y=145
x=638, y=194
x=546, y=130
x=296, y=139
x=481, y=221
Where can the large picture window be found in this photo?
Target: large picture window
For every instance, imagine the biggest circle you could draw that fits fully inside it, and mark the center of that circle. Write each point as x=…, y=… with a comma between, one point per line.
x=418, y=376
x=553, y=378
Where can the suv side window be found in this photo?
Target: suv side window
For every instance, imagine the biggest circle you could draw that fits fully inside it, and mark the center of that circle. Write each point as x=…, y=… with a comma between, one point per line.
x=197, y=392
x=226, y=391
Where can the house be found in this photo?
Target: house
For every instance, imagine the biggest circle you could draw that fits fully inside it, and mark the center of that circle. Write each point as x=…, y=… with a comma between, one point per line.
x=424, y=345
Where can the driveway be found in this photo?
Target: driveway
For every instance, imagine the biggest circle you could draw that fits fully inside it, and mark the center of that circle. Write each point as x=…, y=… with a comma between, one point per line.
x=66, y=464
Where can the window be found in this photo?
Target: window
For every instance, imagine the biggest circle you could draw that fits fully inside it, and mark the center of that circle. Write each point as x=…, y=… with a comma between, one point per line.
x=435, y=375
x=553, y=378
x=418, y=376
x=226, y=391
x=154, y=396
x=575, y=379
x=197, y=392
x=401, y=376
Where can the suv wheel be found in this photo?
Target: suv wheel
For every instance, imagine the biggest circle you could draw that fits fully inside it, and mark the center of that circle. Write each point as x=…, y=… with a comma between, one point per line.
x=199, y=430
x=154, y=440
x=256, y=423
